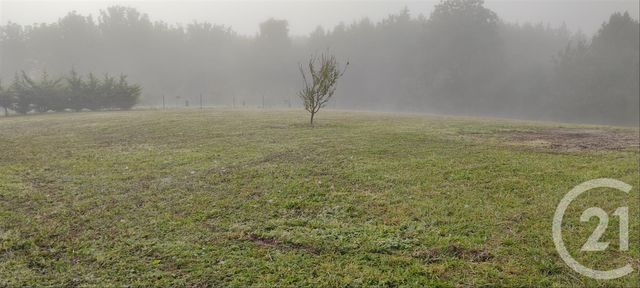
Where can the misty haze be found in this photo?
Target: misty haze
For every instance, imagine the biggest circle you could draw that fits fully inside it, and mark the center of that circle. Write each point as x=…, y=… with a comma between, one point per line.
x=319, y=143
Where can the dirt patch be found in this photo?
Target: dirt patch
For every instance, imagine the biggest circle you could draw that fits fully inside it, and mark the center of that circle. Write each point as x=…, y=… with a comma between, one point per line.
x=576, y=139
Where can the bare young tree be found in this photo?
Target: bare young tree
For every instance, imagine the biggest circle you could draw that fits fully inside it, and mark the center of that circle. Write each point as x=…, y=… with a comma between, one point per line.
x=320, y=77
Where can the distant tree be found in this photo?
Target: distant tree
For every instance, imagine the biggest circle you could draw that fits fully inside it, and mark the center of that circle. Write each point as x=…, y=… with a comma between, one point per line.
x=22, y=95
x=75, y=91
x=46, y=93
x=126, y=95
x=92, y=89
x=275, y=32
x=465, y=54
x=77, y=43
x=6, y=99
x=13, y=48
x=126, y=32
x=118, y=93
x=272, y=65
x=599, y=80
x=320, y=77
x=106, y=92
x=615, y=56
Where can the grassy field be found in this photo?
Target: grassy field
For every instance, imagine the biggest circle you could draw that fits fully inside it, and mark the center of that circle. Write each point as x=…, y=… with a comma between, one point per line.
x=237, y=198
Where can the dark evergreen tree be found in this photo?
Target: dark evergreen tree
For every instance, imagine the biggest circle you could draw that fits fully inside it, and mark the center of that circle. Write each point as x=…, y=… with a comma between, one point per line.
x=46, y=93
x=92, y=90
x=125, y=95
x=75, y=91
x=23, y=95
x=6, y=99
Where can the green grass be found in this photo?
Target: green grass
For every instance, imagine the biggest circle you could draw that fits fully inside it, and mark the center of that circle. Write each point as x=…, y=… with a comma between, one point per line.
x=237, y=198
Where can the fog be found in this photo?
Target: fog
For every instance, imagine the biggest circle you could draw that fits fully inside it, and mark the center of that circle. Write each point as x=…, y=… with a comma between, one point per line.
x=543, y=60
x=304, y=16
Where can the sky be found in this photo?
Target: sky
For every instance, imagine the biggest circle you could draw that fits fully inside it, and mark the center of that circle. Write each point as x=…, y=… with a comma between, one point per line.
x=305, y=15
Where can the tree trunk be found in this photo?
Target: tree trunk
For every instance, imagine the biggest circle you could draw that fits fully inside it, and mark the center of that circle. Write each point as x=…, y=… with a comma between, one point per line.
x=312, y=114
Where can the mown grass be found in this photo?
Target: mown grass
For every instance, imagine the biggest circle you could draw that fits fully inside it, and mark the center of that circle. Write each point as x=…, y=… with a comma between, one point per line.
x=236, y=198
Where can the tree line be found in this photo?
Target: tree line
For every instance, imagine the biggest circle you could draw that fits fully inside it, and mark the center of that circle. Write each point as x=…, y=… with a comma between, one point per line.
x=461, y=59
x=72, y=92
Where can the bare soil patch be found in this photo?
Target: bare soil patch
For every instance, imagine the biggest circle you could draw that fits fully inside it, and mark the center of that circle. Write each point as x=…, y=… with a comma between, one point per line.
x=577, y=139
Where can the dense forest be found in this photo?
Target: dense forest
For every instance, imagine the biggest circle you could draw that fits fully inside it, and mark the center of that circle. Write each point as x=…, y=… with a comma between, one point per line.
x=461, y=59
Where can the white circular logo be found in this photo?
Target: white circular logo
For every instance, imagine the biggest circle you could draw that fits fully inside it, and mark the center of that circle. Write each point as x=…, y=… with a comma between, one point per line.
x=593, y=243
